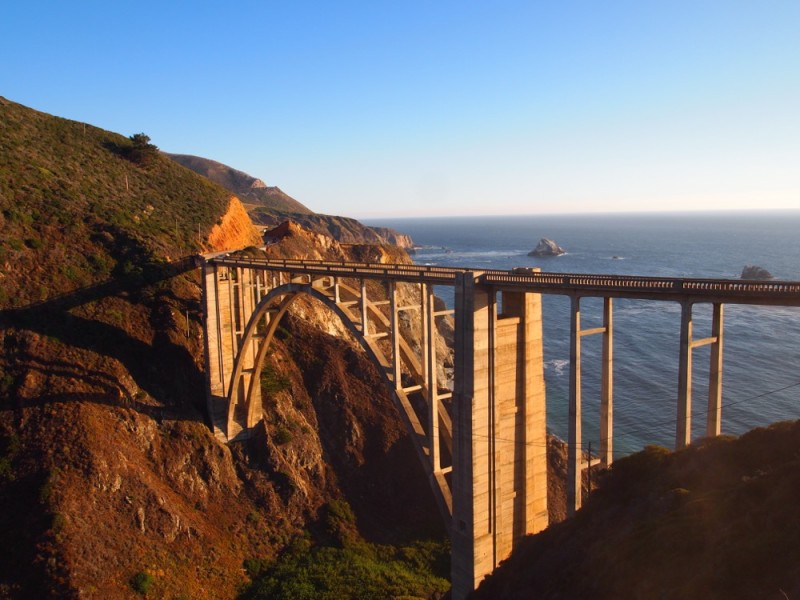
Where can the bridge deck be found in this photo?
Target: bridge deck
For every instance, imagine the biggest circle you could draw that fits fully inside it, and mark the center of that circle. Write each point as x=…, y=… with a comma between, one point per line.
x=727, y=291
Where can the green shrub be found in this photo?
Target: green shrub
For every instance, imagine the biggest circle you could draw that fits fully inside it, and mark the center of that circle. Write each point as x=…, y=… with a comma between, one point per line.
x=254, y=567
x=142, y=582
x=142, y=151
x=273, y=382
x=283, y=435
x=9, y=446
x=365, y=571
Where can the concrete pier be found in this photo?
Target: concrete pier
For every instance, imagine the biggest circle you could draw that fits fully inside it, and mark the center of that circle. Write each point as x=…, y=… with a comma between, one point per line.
x=499, y=445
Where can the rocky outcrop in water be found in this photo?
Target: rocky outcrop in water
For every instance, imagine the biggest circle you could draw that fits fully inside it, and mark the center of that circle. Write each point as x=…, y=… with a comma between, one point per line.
x=547, y=247
x=755, y=272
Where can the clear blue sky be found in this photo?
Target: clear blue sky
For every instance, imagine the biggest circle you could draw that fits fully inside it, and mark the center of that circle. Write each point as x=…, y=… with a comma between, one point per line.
x=421, y=108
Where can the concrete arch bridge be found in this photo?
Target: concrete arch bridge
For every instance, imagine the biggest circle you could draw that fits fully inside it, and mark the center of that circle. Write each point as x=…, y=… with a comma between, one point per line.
x=483, y=444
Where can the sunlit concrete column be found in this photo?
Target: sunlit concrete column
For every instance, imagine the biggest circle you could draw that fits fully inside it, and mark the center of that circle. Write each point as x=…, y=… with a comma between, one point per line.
x=714, y=417
x=499, y=430
x=212, y=328
x=521, y=410
x=574, y=440
x=394, y=326
x=432, y=384
x=607, y=386
x=424, y=340
x=471, y=495
x=683, y=429
x=363, y=306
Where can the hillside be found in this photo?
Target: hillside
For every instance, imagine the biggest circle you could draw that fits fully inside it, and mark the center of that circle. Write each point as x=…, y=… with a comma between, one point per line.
x=246, y=187
x=76, y=207
x=110, y=480
x=270, y=206
x=717, y=520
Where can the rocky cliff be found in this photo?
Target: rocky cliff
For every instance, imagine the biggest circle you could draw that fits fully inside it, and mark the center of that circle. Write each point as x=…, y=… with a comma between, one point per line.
x=234, y=231
x=270, y=206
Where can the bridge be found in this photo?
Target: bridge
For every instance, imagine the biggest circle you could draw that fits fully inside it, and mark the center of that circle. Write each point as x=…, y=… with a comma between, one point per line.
x=483, y=443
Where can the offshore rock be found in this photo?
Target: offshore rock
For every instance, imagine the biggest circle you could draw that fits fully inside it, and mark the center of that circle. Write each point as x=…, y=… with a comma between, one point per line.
x=755, y=272
x=547, y=247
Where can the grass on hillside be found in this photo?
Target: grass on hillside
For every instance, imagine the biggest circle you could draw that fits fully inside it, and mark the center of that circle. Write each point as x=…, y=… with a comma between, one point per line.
x=77, y=208
x=339, y=565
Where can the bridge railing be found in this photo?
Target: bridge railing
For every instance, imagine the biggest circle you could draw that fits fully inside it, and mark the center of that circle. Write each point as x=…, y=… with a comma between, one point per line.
x=428, y=274
x=666, y=288
x=659, y=286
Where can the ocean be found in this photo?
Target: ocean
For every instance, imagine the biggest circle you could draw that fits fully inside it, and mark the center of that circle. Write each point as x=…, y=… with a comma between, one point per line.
x=761, y=372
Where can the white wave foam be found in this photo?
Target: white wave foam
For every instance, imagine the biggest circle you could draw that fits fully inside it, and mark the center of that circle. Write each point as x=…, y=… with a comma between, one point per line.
x=557, y=364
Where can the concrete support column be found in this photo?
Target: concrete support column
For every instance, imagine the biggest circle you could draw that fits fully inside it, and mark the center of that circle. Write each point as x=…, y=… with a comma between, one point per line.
x=574, y=440
x=227, y=307
x=607, y=387
x=250, y=394
x=213, y=333
x=432, y=384
x=499, y=445
x=363, y=305
x=424, y=340
x=683, y=430
x=714, y=418
x=470, y=449
x=394, y=327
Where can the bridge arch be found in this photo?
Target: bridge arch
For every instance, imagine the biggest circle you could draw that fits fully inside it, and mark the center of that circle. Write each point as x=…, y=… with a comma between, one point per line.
x=482, y=445
x=244, y=406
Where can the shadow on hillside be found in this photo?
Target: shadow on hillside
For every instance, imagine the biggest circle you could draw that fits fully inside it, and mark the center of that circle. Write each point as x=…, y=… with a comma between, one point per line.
x=111, y=394
x=130, y=282
x=165, y=370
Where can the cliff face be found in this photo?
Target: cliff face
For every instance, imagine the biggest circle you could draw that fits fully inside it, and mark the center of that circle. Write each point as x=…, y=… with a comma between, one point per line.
x=235, y=230
x=270, y=206
x=342, y=229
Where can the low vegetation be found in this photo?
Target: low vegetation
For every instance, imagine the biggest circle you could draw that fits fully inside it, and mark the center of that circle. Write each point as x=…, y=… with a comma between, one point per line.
x=339, y=565
x=79, y=204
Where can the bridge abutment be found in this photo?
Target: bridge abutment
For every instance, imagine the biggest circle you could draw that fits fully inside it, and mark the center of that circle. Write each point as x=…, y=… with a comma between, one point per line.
x=500, y=444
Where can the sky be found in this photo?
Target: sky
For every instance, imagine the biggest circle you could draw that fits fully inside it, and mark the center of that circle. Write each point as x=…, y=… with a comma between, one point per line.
x=379, y=109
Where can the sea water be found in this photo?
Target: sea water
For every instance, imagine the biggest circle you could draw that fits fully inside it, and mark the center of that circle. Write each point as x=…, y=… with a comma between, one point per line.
x=761, y=372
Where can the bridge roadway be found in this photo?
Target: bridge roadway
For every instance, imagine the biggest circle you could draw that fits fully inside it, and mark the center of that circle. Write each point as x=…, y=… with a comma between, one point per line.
x=482, y=445
x=675, y=289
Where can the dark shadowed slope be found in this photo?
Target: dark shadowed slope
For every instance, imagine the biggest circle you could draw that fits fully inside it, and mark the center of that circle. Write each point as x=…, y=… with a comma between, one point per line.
x=720, y=519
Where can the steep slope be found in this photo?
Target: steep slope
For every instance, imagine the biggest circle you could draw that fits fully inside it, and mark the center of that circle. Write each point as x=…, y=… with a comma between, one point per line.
x=110, y=481
x=717, y=520
x=342, y=229
x=270, y=206
x=75, y=208
x=247, y=188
